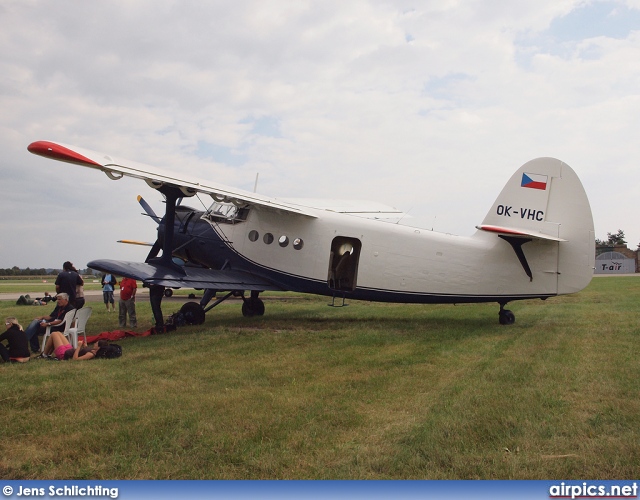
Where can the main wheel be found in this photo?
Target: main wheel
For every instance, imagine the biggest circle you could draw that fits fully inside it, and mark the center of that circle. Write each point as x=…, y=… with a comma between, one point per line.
x=252, y=307
x=168, y=292
x=193, y=313
x=506, y=317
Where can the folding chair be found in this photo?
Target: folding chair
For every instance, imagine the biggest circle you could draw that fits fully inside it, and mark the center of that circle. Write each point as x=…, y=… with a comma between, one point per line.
x=67, y=321
x=82, y=316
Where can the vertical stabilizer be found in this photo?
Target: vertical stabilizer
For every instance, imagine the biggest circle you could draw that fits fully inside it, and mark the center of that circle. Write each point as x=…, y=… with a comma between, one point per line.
x=545, y=201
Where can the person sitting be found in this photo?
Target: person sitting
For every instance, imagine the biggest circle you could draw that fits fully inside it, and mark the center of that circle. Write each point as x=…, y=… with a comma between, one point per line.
x=43, y=301
x=39, y=325
x=61, y=348
x=18, y=346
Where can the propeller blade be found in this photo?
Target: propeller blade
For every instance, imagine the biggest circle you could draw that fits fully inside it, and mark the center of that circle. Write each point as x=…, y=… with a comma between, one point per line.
x=147, y=208
x=134, y=242
x=155, y=250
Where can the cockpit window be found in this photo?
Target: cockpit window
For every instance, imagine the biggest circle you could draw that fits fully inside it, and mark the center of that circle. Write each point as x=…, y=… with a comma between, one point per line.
x=227, y=213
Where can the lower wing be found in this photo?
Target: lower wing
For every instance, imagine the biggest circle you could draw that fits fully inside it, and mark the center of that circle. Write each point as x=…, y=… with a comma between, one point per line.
x=187, y=277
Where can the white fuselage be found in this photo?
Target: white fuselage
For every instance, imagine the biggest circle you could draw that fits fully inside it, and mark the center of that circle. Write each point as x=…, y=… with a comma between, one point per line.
x=394, y=258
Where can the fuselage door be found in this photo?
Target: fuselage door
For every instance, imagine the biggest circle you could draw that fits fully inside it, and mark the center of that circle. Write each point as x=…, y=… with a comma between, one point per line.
x=343, y=263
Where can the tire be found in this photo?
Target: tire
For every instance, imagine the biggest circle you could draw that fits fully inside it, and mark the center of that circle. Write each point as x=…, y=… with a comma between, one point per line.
x=168, y=292
x=506, y=317
x=252, y=307
x=193, y=313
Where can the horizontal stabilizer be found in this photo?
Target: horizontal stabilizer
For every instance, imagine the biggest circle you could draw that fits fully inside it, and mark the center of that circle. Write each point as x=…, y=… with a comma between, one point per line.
x=518, y=233
x=193, y=277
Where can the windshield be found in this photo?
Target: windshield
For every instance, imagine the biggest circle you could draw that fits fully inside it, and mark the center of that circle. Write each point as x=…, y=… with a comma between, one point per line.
x=225, y=212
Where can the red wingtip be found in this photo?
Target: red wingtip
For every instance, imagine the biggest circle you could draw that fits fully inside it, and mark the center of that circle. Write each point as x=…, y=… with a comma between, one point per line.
x=58, y=152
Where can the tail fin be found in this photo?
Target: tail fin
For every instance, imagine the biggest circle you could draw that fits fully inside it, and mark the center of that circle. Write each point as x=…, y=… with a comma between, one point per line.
x=544, y=200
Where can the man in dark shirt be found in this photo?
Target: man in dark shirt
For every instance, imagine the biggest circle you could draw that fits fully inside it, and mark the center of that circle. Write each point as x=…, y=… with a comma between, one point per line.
x=39, y=325
x=68, y=281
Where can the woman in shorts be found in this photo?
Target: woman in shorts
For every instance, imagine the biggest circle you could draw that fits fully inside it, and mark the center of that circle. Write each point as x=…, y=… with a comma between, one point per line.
x=61, y=348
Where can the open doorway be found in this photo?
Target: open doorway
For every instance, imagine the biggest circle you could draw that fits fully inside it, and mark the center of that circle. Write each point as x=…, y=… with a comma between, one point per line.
x=343, y=263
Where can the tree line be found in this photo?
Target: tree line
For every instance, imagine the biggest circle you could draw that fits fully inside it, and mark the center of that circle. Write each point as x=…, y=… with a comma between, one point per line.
x=16, y=271
x=613, y=239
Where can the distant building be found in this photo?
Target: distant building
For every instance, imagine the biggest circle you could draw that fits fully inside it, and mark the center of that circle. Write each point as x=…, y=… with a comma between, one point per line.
x=616, y=260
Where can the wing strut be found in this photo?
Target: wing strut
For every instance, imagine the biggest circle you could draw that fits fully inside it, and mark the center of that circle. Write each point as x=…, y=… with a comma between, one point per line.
x=516, y=244
x=172, y=195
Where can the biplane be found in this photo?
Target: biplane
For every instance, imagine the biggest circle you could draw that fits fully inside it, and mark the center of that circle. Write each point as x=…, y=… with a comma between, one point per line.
x=535, y=242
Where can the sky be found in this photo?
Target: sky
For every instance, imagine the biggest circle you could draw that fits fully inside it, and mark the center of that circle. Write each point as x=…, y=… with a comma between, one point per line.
x=426, y=106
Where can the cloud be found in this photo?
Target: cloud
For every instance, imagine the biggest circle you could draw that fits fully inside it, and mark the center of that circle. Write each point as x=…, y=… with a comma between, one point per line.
x=429, y=108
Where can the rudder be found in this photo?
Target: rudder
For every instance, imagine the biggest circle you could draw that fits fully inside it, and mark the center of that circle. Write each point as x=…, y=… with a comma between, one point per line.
x=545, y=200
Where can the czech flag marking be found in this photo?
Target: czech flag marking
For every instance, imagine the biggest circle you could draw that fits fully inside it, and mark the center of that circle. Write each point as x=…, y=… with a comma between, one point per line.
x=534, y=181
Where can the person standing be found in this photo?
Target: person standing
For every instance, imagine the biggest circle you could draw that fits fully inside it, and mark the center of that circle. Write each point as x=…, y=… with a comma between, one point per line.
x=68, y=281
x=79, y=302
x=156, y=292
x=108, y=287
x=127, y=303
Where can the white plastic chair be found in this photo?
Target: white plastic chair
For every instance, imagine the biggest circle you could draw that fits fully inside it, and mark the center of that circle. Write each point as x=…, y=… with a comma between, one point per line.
x=82, y=316
x=67, y=322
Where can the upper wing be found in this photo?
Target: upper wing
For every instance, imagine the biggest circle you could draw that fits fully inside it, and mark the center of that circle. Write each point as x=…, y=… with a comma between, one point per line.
x=359, y=208
x=156, y=178
x=193, y=277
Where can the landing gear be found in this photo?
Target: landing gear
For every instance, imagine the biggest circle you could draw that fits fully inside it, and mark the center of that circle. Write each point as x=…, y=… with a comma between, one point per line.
x=193, y=313
x=168, y=292
x=505, y=316
x=252, y=306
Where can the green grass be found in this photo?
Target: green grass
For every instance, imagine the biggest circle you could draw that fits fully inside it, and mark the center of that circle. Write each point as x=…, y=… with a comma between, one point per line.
x=369, y=391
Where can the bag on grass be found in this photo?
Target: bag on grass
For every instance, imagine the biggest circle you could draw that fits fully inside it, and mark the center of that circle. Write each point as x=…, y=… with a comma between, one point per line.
x=109, y=352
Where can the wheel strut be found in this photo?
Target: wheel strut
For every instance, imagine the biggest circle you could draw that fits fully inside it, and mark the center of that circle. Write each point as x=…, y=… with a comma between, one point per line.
x=505, y=316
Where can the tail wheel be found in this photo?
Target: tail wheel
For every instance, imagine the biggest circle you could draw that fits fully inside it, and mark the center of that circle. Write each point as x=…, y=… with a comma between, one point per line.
x=168, y=292
x=506, y=317
x=193, y=313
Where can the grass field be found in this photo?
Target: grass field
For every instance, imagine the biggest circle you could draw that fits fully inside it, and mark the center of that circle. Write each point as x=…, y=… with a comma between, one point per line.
x=368, y=391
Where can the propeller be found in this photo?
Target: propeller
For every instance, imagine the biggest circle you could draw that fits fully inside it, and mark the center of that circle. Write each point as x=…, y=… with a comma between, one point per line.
x=157, y=245
x=155, y=250
x=135, y=242
x=148, y=210
x=172, y=198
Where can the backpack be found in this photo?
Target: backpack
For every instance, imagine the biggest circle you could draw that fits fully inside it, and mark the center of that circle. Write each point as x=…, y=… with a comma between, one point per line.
x=109, y=352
